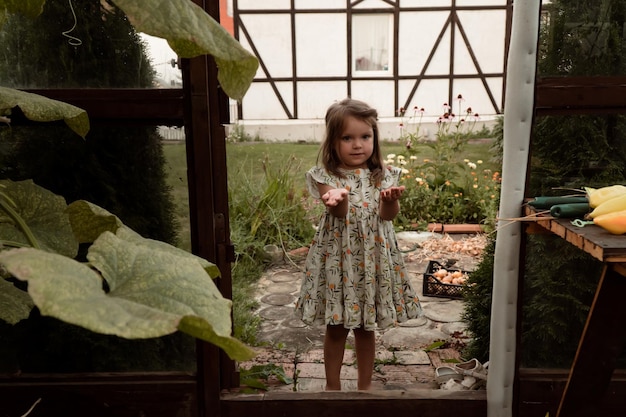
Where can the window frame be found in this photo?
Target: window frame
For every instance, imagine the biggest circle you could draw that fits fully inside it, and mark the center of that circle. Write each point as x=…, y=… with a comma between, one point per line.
x=390, y=45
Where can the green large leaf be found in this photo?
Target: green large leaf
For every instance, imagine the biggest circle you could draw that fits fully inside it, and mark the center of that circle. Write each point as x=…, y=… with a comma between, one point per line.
x=89, y=221
x=191, y=32
x=70, y=291
x=131, y=236
x=43, y=213
x=152, y=292
x=43, y=109
x=15, y=304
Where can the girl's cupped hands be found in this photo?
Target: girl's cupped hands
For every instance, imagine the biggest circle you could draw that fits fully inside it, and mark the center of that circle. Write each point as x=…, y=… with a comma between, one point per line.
x=391, y=194
x=335, y=196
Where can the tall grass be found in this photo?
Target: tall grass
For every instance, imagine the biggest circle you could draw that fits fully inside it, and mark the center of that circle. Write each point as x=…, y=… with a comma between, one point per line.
x=266, y=208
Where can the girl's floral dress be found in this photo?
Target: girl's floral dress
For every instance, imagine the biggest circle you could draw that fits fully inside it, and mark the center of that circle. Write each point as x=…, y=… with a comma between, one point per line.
x=354, y=272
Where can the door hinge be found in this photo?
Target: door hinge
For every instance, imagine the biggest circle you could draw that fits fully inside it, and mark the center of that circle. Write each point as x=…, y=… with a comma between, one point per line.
x=225, y=249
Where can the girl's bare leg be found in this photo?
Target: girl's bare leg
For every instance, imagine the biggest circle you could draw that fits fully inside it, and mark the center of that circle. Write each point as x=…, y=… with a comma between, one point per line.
x=365, y=342
x=334, y=345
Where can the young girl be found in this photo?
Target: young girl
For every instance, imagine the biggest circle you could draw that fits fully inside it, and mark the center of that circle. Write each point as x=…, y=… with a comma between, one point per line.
x=354, y=274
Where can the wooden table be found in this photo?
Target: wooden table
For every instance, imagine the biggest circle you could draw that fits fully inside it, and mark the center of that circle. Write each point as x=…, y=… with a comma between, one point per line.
x=604, y=335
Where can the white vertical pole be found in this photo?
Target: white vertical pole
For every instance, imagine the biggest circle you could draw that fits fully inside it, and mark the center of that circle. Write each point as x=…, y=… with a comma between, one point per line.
x=518, y=117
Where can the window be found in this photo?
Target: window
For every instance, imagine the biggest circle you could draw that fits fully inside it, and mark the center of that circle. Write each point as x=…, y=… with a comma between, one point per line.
x=372, y=44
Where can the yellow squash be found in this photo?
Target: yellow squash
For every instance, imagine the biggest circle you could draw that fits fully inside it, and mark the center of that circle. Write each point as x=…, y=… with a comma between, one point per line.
x=598, y=196
x=609, y=206
x=614, y=223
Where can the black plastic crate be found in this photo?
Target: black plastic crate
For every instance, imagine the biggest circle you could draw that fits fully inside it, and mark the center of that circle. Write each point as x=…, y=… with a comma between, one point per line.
x=433, y=287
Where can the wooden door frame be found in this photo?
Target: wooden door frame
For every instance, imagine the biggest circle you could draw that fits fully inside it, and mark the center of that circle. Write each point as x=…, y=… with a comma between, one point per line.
x=206, y=113
x=202, y=108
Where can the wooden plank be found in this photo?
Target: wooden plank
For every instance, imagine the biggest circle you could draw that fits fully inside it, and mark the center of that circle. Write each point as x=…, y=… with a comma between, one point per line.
x=540, y=391
x=594, y=250
x=580, y=95
x=592, y=239
x=575, y=239
x=532, y=228
x=601, y=343
x=100, y=395
x=558, y=229
x=155, y=394
x=432, y=403
x=616, y=259
x=141, y=105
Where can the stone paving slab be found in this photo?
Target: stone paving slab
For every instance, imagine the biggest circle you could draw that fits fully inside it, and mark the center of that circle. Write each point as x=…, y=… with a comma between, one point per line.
x=316, y=370
x=418, y=357
x=401, y=362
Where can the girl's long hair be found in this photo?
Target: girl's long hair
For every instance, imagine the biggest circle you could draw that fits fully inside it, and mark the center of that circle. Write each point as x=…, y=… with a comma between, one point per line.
x=335, y=119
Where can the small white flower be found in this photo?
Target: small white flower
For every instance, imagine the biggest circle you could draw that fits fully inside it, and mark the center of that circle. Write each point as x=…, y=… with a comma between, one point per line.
x=480, y=161
x=471, y=165
x=391, y=156
x=413, y=157
x=405, y=171
x=402, y=162
x=400, y=157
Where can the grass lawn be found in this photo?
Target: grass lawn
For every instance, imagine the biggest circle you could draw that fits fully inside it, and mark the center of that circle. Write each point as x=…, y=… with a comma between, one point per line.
x=245, y=160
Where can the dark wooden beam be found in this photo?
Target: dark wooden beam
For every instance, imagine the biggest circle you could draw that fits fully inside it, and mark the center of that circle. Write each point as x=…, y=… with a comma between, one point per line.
x=432, y=403
x=540, y=391
x=100, y=395
x=580, y=95
x=123, y=106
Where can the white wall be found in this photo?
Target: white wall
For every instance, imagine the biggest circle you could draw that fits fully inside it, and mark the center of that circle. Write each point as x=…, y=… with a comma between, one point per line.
x=322, y=51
